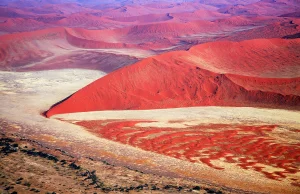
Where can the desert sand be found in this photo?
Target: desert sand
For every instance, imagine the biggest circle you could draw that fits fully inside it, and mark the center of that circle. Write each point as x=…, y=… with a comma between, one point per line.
x=149, y=97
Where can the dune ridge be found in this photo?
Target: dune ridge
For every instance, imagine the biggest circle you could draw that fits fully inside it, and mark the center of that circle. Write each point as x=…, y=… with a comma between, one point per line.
x=183, y=81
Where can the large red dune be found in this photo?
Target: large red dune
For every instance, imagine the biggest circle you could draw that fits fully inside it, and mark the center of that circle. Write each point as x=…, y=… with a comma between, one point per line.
x=181, y=79
x=272, y=58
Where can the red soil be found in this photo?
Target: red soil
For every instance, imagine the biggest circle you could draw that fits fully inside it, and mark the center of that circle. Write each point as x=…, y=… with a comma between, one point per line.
x=244, y=146
x=182, y=83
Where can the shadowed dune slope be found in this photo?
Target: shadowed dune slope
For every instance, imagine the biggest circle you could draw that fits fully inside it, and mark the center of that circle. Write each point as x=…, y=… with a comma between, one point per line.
x=26, y=48
x=181, y=79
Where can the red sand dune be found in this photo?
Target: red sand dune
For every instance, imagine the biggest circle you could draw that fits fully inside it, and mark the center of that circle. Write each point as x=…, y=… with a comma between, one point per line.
x=203, y=14
x=227, y=2
x=10, y=12
x=272, y=30
x=92, y=15
x=241, y=20
x=24, y=48
x=139, y=10
x=158, y=32
x=273, y=58
x=156, y=27
x=93, y=44
x=21, y=48
x=89, y=21
x=179, y=79
x=105, y=62
x=263, y=7
x=285, y=86
x=145, y=18
x=60, y=8
x=174, y=28
x=19, y=24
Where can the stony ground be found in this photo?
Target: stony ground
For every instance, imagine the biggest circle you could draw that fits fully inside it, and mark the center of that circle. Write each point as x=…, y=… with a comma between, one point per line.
x=28, y=167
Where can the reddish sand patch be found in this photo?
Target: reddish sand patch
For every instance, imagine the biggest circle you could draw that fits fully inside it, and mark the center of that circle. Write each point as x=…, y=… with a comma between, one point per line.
x=248, y=147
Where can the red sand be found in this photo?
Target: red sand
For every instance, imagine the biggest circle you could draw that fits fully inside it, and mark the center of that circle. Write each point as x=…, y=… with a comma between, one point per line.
x=146, y=25
x=268, y=30
x=175, y=80
x=105, y=62
x=273, y=58
x=19, y=49
x=258, y=72
x=285, y=86
x=263, y=7
x=198, y=144
x=113, y=14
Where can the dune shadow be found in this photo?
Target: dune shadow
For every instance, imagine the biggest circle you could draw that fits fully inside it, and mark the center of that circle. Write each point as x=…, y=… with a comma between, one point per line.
x=57, y=103
x=293, y=36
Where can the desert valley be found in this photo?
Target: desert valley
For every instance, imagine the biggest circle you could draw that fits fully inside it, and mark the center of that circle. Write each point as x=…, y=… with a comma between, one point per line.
x=146, y=96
